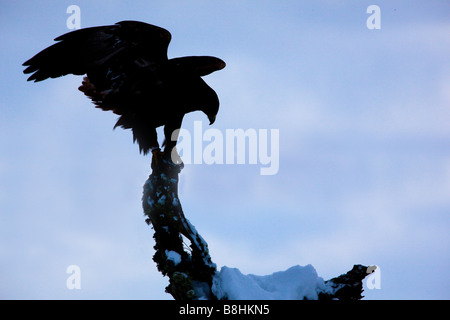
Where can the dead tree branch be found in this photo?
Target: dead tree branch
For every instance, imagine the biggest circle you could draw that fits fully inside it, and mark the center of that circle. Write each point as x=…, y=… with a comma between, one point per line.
x=190, y=269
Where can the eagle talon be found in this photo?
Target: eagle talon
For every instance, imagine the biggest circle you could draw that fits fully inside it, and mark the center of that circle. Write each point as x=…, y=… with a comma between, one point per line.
x=166, y=157
x=156, y=154
x=156, y=151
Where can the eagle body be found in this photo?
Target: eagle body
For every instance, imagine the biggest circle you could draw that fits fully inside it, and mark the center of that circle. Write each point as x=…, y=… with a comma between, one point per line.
x=128, y=72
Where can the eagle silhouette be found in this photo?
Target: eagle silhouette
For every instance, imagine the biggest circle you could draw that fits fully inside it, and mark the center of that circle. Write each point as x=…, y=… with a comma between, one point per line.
x=128, y=72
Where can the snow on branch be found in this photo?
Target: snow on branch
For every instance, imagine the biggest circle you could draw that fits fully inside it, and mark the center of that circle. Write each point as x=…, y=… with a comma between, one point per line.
x=191, y=272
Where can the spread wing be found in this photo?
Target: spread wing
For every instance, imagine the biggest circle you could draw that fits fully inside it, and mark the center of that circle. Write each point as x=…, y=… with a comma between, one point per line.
x=128, y=72
x=121, y=61
x=99, y=48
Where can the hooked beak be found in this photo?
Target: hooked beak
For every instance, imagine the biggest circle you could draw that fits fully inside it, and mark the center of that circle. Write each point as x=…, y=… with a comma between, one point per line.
x=211, y=118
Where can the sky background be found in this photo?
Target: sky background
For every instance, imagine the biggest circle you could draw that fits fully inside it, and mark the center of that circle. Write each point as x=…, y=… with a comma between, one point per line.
x=364, y=123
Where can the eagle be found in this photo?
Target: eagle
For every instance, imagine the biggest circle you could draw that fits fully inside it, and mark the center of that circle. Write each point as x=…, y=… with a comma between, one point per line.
x=127, y=71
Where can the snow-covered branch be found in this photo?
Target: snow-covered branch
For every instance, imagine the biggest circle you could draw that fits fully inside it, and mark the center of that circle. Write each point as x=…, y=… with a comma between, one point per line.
x=193, y=275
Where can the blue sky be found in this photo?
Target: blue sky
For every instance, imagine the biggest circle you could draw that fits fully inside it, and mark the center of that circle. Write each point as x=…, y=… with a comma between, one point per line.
x=364, y=176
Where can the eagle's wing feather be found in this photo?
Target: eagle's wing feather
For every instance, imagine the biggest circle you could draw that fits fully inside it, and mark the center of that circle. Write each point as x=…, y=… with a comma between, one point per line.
x=82, y=51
